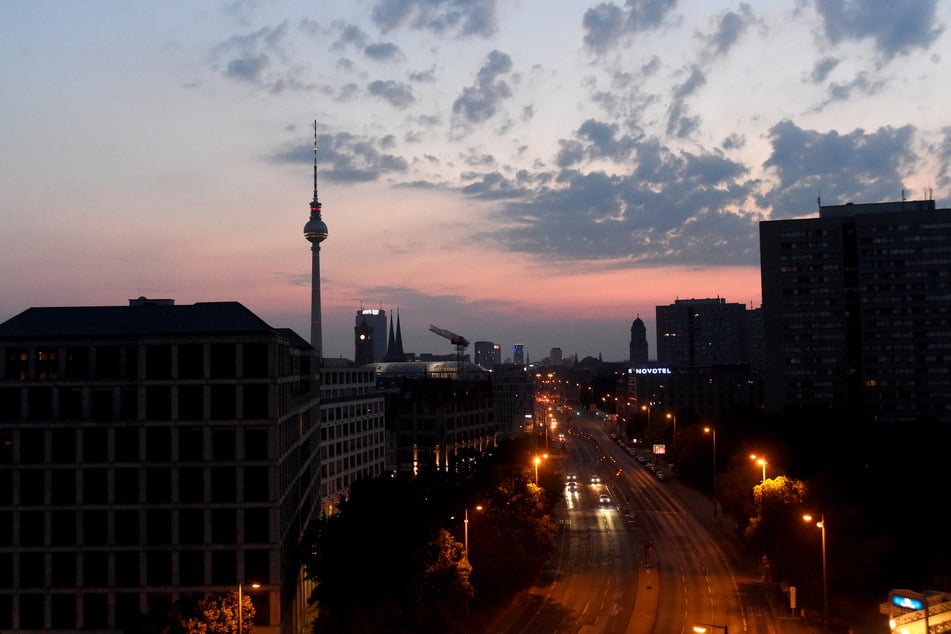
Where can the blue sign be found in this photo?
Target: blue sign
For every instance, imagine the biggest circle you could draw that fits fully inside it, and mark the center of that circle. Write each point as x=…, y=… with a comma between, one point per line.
x=908, y=603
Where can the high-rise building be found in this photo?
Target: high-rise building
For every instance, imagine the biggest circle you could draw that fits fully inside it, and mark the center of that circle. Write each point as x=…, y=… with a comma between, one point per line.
x=518, y=354
x=150, y=453
x=702, y=333
x=638, y=352
x=857, y=311
x=487, y=354
x=555, y=356
x=369, y=345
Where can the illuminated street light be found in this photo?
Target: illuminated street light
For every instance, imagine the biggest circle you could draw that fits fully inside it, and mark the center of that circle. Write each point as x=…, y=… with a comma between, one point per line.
x=465, y=524
x=821, y=525
x=241, y=606
x=536, y=461
x=760, y=461
x=713, y=432
x=673, y=440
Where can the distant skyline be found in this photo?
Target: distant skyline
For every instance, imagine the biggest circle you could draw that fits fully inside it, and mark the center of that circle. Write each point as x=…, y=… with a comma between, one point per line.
x=530, y=172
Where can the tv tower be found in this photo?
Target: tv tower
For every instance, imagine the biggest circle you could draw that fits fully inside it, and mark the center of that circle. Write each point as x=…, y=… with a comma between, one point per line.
x=316, y=232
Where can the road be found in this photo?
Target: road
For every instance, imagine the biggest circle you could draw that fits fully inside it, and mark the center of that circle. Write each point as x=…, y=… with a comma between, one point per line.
x=652, y=561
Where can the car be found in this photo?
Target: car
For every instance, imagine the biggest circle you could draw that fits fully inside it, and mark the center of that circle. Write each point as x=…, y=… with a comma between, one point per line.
x=572, y=477
x=572, y=486
x=641, y=459
x=595, y=479
x=661, y=475
x=651, y=467
x=604, y=499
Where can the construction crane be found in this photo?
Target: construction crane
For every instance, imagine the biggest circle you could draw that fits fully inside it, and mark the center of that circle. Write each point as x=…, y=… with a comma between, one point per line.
x=458, y=340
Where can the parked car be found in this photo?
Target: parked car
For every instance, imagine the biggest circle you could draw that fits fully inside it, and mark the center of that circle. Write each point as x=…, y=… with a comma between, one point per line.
x=661, y=475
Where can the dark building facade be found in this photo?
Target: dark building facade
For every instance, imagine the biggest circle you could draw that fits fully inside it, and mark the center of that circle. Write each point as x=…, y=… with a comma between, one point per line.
x=703, y=333
x=149, y=454
x=857, y=311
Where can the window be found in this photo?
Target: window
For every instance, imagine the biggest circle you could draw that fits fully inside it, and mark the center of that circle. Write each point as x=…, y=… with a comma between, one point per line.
x=255, y=444
x=255, y=401
x=192, y=568
x=158, y=485
x=223, y=444
x=63, y=486
x=39, y=403
x=256, y=566
x=159, y=568
x=190, y=361
x=32, y=446
x=31, y=611
x=95, y=445
x=94, y=486
x=223, y=361
x=190, y=444
x=158, y=527
x=127, y=485
x=256, y=484
x=256, y=526
x=191, y=402
x=224, y=569
x=127, y=568
x=191, y=485
x=158, y=402
x=95, y=569
x=126, y=527
x=223, y=526
x=191, y=526
x=32, y=528
x=95, y=611
x=222, y=402
x=223, y=484
x=63, y=528
x=31, y=487
x=158, y=362
x=255, y=360
x=63, y=569
x=158, y=444
x=63, y=611
x=94, y=527
x=32, y=570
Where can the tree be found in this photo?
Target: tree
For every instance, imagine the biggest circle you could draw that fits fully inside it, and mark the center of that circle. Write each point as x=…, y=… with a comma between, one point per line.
x=218, y=614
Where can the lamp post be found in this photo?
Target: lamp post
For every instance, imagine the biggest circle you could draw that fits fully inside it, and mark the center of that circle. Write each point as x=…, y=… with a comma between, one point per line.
x=673, y=439
x=241, y=606
x=760, y=461
x=821, y=525
x=713, y=488
x=536, y=461
x=465, y=537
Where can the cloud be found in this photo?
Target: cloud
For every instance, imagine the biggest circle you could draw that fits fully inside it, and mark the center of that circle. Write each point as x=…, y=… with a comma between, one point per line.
x=606, y=24
x=822, y=68
x=666, y=207
x=396, y=93
x=443, y=17
x=260, y=58
x=861, y=84
x=383, y=51
x=346, y=158
x=896, y=28
x=481, y=101
x=351, y=35
x=856, y=166
x=730, y=27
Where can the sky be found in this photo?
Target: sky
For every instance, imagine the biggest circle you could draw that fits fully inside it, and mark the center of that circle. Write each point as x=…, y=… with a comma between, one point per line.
x=523, y=171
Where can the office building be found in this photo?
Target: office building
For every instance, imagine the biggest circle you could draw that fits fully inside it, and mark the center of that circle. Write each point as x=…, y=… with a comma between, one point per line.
x=518, y=354
x=369, y=336
x=352, y=429
x=487, y=354
x=149, y=454
x=857, y=311
x=703, y=333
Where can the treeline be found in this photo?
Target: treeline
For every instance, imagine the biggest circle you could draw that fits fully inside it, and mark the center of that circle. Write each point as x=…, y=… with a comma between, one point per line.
x=393, y=558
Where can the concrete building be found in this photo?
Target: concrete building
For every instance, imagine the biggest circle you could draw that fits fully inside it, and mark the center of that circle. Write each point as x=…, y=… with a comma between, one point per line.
x=369, y=336
x=703, y=333
x=352, y=429
x=487, y=354
x=518, y=354
x=434, y=413
x=148, y=454
x=857, y=311
x=513, y=393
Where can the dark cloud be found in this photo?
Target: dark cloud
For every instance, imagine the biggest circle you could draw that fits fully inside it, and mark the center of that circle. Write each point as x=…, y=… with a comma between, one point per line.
x=895, y=27
x=822, y=69
x=383, y=52
x=607, y=23
x=841, y=167
x=260, y=58
x=861, y=84
x=481, y=101
x=666, y=207
x=396, y=93
x=696, y=80
x=729, y=29
x=443, y=17
x=247, y=68
x=351, y=35
x=680, y=123
x=346, y=158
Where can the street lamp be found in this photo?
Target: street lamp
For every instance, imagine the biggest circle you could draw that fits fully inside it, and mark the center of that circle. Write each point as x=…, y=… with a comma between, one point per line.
x=241, y=605
x=673, y=440
x=713, y=432
x=821, y=525
x=760, y=461
x=465, y=524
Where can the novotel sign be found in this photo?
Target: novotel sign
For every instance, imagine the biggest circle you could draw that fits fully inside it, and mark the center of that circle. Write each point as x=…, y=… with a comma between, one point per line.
x=649, y=371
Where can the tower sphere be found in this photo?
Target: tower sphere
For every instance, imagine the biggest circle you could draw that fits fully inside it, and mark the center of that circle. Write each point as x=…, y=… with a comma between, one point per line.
x=315, y=230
